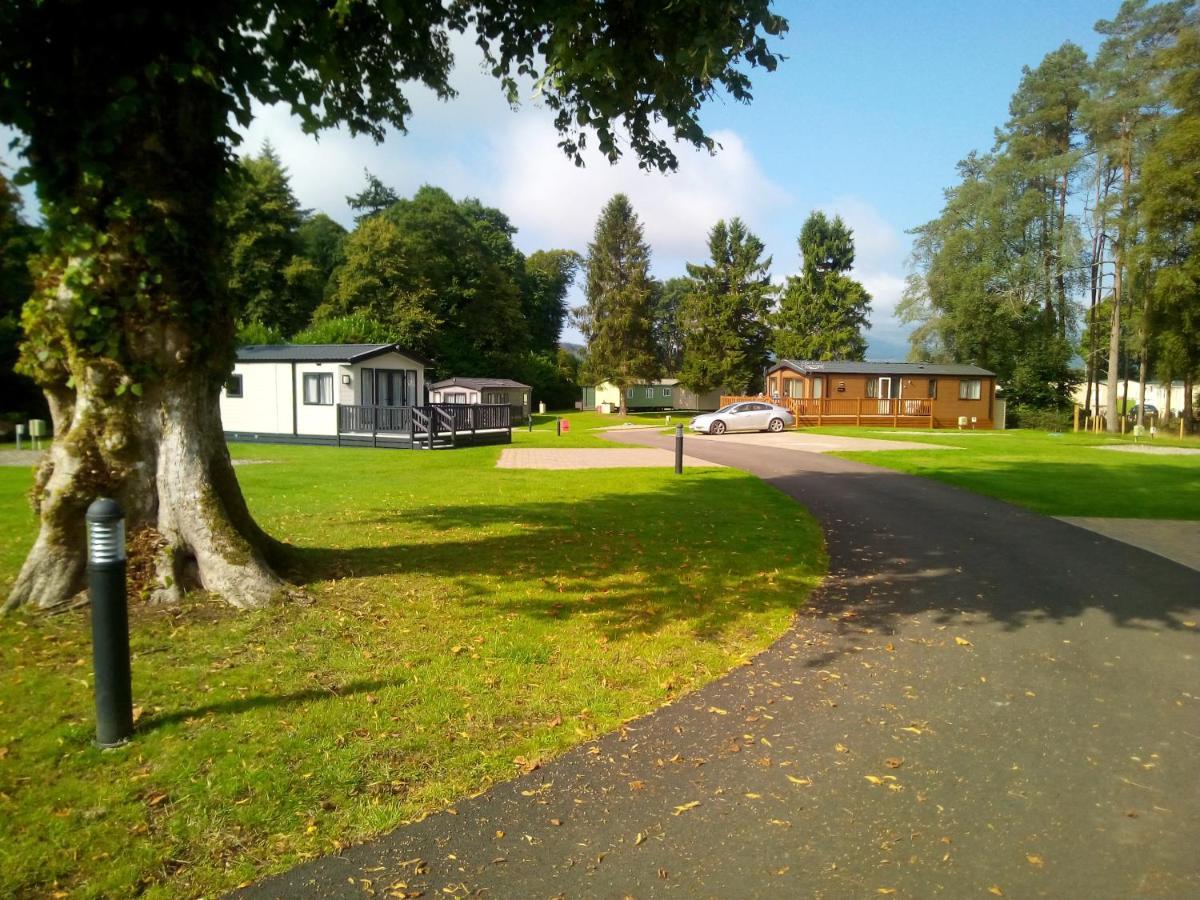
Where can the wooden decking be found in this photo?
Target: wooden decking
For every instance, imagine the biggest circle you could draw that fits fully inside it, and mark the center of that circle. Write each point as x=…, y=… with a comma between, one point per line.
x=432, y=427
x=897, y=413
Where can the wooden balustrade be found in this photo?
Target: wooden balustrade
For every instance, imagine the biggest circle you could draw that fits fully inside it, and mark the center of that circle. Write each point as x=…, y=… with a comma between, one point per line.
x=849, y=410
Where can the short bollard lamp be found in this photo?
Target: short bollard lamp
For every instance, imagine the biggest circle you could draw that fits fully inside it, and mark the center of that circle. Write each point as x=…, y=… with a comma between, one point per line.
x=110, y=623
x=678, y=449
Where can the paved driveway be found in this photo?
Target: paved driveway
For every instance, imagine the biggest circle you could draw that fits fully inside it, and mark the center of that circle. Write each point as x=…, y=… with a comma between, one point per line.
x=981, y=702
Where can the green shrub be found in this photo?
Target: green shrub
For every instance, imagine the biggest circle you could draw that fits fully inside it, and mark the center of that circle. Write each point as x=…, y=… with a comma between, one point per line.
x=1052, y=419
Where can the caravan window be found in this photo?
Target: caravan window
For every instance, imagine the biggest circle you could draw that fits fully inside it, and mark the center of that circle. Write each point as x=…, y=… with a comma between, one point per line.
x=318, y=389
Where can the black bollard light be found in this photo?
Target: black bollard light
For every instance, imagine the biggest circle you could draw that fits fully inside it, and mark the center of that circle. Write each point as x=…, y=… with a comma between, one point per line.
x=557, y=427
x=110, y=623
x=678, y=449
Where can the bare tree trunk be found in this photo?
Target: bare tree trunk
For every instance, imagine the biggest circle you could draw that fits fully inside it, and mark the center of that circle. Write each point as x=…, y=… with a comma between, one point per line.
x=1189, y=410
x=1114, y=341
x=164, y=458
x=1114, y=351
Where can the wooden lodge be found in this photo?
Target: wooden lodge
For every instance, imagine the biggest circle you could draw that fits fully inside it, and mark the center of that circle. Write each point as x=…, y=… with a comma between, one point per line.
x=889, y=394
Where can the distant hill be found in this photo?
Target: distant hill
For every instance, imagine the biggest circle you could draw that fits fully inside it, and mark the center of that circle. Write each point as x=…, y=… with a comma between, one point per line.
x=577, y=350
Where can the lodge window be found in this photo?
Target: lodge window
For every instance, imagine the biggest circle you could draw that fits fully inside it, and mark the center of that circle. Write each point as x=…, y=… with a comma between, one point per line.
x=818, y=388
x=495, y=399
x=233, y=387
x=932, y=388
x=318, y=389
x=456, y=398
x=629, y=393
x=649, y=393
x=794, y=388
x=969, y=389
x=666, y=392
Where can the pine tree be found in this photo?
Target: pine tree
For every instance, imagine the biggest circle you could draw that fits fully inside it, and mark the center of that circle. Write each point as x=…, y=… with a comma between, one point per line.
x=618, y=318
x=374, y=198
x=822, y=312
x=1169, y=200
x=723, y=318
x=273, y=282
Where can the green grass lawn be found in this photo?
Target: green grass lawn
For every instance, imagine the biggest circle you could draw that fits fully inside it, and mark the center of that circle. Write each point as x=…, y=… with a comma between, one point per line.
x=465, y=623
x=1055, y=474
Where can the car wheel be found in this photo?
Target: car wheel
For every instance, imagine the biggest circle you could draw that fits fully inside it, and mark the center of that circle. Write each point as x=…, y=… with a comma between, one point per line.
x=776, y=425
x=718, y=427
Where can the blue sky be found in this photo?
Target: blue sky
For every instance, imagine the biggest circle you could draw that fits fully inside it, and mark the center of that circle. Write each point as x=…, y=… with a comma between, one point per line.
x=867, y=117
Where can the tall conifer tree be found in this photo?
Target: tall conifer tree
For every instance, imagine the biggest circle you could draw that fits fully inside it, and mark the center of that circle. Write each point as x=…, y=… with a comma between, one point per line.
x=723, y=318
x=618, y=318
x=822, y=312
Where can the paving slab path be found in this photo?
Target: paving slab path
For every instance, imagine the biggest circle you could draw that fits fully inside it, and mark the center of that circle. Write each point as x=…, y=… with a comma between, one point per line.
x=591, y=458
x=981, y=701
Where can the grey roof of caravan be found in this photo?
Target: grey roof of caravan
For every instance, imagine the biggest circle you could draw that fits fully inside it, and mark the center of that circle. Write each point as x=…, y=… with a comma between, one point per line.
x=854, y=367
x=334, y=353
x=478, y=384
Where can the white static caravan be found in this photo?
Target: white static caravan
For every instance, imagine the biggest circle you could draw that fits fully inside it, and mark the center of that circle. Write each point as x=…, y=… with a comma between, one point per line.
x=290, y=393
x=491, y=391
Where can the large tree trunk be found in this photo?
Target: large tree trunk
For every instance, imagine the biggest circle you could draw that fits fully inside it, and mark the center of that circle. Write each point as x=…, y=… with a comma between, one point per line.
x=163, y=456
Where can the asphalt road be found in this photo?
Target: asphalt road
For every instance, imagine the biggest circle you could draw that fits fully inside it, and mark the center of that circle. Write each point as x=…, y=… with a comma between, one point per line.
x=980, y=702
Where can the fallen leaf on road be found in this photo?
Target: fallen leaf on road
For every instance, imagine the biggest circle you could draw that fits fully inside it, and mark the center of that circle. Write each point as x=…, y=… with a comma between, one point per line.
x=840, y=748
x=794, y=780
x=893, y=762
x=753, y=796
x=874, y=779
x=963, y=642
x=639, y=840
x=995, y=889
x=885, y=890
x=685, y=807
x=718, y=710
x=1035, y=860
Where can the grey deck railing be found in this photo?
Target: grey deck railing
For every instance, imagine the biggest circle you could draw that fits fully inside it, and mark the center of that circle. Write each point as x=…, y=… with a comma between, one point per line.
x=438, y=422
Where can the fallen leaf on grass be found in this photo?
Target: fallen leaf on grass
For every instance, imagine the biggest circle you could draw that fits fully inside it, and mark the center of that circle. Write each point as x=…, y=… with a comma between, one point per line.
x=682, y=808
x=156, y=799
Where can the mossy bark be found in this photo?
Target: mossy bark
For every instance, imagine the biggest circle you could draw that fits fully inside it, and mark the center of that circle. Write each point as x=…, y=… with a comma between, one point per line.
x=163, y=456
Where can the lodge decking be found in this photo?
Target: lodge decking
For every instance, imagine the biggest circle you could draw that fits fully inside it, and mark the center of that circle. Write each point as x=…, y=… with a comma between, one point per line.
x=431, y=427
x=871, y=411
x=438, y=425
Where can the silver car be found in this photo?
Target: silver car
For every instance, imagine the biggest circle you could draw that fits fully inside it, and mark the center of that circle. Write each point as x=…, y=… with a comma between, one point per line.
x=749, y=415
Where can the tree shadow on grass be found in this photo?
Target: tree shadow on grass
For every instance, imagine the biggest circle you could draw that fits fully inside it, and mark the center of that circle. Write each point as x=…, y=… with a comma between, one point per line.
x=260, y=701
x=635, y=562
x=695, y=548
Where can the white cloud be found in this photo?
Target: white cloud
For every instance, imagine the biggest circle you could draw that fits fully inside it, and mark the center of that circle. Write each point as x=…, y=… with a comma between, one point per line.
x=556, y=203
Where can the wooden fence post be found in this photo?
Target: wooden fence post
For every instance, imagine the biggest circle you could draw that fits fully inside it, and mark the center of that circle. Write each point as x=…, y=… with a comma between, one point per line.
x=896, y=412
x=858, y=415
